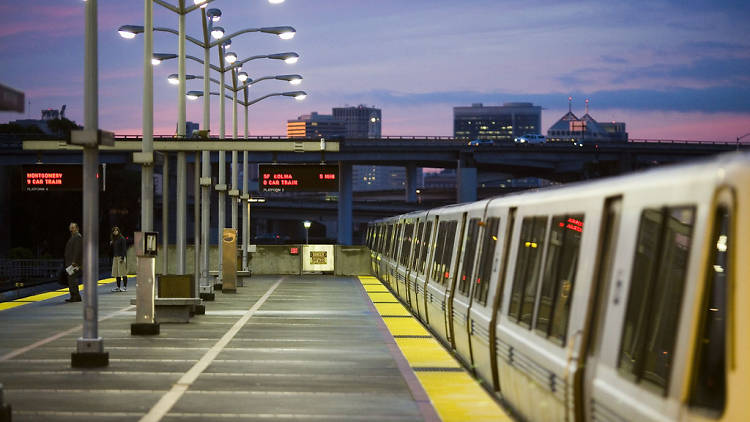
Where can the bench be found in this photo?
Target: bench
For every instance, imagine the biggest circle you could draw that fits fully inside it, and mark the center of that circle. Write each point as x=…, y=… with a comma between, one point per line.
x=173, y=309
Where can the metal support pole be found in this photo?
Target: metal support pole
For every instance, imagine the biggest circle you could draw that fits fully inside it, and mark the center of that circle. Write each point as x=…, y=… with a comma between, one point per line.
x=222, y=186
x=147, y=172
x=345, y=204
x=145, y=322
x=234, y=193
x=181, y=214
x=206, y=286
x=165, y=213
x=90, y=347
x=181, y=238
x=245, y=197
x=197, y=222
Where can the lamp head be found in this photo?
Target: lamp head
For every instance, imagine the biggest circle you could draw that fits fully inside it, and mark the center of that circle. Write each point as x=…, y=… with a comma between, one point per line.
x=292, y=79
x=214, y=14
x=217, y=32
x=242, y=76
x=157, y=58
x=202, y=3
x=230, y=58
x=284, y=32
x=173, y=79
x=307, y=224
x=194, y=95
x=276, y=1
x=298, y=95
x=129, y=31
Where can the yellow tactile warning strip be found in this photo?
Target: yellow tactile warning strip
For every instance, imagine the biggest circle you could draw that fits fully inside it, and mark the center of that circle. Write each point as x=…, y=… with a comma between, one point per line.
x=455, y=395
x=44, y=296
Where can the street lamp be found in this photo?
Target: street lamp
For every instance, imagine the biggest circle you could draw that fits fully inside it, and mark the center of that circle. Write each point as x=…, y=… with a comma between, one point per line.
x=307, y=225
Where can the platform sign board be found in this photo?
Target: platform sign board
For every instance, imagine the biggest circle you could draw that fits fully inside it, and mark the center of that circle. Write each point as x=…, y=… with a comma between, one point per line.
x=52, y=177
x=11, y=100
x=317, y=258
x=298, y=178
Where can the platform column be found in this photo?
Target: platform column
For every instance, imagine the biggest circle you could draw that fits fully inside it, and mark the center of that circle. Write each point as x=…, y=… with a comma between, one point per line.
x=345, y=204
x=411, y=183
x=466, y=179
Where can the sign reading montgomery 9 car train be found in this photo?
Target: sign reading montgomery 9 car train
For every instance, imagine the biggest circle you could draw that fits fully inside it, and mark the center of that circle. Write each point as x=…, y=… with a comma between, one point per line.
x=298, y=178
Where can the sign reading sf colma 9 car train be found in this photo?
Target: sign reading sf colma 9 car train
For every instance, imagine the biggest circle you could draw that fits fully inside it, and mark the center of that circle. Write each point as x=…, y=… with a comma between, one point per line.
x=298, y=178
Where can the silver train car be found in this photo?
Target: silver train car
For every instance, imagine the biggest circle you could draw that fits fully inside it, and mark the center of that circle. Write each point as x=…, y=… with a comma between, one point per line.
x=618, y=299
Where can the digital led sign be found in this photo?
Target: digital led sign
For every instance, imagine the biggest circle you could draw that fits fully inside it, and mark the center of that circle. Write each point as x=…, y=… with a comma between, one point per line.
x=298, y=178
x=52, y=177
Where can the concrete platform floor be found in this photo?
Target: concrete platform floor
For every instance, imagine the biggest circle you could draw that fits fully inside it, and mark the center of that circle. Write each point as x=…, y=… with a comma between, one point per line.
x=283, y=347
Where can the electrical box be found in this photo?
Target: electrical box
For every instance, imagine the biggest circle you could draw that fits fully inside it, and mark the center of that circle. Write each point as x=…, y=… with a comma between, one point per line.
x=145, y=244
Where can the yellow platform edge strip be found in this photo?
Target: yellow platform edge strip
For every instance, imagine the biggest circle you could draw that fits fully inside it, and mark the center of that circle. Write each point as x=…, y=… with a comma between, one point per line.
x=47, y=295
x=456, y=396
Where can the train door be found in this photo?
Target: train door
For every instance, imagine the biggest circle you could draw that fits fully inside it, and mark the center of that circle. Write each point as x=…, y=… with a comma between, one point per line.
x=425, y=266
x=642, y=360
x=411, y=278
x=403, y=257
x=600, y=292
x=483, y=298
x=452, y=280
x=461, y=298
x=441, y=278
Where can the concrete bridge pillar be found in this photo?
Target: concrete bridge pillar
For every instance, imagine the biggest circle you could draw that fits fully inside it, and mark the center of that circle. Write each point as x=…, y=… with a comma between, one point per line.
x=466, y=179
x=345, y=204
x=411, y=183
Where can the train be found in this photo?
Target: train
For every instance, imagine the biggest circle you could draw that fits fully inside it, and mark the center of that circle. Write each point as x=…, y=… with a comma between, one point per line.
x=618, y=299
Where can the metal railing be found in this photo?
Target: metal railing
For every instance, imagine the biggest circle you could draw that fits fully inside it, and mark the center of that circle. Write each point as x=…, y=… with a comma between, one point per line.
x=36, y=271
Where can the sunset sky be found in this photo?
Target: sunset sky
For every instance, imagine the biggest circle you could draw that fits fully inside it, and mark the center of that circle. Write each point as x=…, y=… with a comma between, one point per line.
x=670, y=69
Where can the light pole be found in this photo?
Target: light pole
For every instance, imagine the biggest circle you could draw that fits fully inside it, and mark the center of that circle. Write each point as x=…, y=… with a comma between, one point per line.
x=307, y=225
x=129, y=31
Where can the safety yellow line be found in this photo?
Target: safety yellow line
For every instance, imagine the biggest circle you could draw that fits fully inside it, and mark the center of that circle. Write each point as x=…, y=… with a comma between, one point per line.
x=48, y=295
x=455, y=395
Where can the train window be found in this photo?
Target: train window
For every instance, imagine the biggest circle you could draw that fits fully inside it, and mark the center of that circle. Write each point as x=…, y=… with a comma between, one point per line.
x=484, y=266
x=450, y=238
x=388, y=240
x=417, y=245
x=425, y=244
x=709, y=382
x=528, y=263
x=656, y=285
x=467, y=263
x=406, y=243
x=559, y=272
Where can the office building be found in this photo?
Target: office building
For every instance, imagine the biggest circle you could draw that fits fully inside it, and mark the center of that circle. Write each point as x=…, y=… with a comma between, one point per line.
x=501, y=123
x=586, y=129
x=190, y=128
x=315, y=126
x=361, y=122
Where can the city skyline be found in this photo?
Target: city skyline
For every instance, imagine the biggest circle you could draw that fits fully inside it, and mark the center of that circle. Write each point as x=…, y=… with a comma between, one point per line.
x=668, y=69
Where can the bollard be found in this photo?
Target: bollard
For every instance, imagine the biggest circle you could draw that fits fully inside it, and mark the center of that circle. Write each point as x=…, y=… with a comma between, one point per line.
x=5, y=410
x=229, y=261
x=145, y=250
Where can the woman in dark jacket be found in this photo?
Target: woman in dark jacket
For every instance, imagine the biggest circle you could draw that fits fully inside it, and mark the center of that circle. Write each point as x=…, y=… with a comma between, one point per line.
x=119, y=263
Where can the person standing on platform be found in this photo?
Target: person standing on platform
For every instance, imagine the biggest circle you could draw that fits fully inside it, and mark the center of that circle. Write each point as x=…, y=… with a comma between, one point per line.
x=119, y=263
x=73, y=262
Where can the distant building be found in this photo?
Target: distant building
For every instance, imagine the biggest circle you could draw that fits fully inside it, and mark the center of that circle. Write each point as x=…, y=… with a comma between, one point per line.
x=501, y=123
x=361, y=122
x=315, y=126
x=189, y=128
x=586, y=129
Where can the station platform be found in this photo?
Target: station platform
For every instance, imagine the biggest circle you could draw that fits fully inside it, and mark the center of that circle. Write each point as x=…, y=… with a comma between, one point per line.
x=311, y=347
